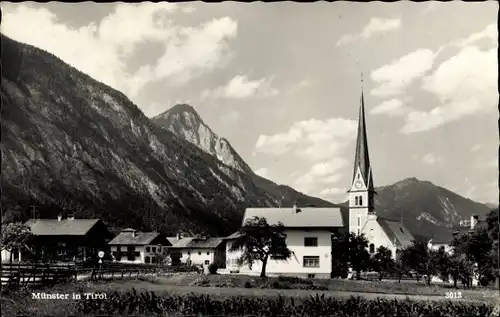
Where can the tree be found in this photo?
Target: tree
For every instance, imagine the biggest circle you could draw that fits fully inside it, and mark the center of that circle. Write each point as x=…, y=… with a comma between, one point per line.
x=421, y=259
x=16, y=236
x=358, y=256
x=382, y=262
x=260, y=241
x=340, y=252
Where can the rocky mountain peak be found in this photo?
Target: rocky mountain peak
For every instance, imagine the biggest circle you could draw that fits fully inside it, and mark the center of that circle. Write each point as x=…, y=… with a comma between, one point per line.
x=183, y=121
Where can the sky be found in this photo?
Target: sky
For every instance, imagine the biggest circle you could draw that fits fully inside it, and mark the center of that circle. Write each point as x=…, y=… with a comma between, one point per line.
x=282, y=81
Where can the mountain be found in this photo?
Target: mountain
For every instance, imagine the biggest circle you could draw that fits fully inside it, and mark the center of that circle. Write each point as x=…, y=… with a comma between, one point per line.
x=183, y=121
x=426, y=209
x=492, y=205
x=74, y=145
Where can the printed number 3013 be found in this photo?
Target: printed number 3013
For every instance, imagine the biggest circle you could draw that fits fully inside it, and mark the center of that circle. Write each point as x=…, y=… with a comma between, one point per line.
x=453, y=295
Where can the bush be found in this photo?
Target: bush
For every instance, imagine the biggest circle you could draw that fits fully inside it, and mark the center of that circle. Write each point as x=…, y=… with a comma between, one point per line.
x=212, y=268
x=148, y=303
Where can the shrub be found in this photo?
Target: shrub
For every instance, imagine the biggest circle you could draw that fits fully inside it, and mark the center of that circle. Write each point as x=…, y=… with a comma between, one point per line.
x=212, y=268
x=148, y=303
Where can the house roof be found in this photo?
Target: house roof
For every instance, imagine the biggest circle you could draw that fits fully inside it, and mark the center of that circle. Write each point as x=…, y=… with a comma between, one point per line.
x=396, y=232
x=127, y=238
x=306, y=217
x=64, y=227
x=233, y=236
x=195, y=243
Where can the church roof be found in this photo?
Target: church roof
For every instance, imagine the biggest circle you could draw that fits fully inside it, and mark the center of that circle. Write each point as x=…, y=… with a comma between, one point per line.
x=302, y=217
x=362, y=158
x=396, y=231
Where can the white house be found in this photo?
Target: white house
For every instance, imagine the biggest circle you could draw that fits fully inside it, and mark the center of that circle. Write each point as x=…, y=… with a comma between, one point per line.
x=132, y=246
x=198, y=250
x=309, y=237
x=16, y=256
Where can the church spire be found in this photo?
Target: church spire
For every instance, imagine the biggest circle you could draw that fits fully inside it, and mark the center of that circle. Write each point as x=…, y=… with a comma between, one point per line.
x=362, y=158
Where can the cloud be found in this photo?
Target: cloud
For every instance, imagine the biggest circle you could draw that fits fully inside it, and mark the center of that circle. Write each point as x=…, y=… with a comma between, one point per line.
x=313, y=140
x=380, y=25
x=329, y=193
x=102, y=49
x=262, y=172
x=431, y=159
x=322, y=173
x=490, y=32
x=300, y=86
x=374, y=26
x=392, y=79
x=476, y=148
x=240, y=87
x=393, y=107
x=465, y=84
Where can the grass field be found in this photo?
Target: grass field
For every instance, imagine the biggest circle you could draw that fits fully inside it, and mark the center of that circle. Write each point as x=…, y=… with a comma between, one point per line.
x=21, y=303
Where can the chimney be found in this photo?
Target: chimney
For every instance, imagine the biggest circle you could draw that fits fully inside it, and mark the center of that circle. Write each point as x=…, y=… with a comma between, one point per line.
x=59, y=217
x=71, y=217
x=133, y=234
x=473, y=221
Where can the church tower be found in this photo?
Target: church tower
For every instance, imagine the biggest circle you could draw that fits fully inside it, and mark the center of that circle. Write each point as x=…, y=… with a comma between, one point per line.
x=361, y=194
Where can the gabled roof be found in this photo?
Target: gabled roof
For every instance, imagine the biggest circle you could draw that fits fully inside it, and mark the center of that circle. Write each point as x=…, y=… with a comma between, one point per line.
x=235, y=235
x=64, y=227
x=396, y=232
x=304, y=217
x=195, y=243
x=128, y=238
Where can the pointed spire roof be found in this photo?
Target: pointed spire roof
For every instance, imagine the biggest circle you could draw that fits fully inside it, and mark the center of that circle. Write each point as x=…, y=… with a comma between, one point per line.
x=362, y=158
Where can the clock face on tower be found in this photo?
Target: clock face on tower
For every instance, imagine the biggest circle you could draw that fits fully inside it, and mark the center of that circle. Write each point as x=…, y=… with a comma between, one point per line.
x=358, y=184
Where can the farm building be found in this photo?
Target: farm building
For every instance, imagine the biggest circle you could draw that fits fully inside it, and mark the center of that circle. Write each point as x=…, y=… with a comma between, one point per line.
x=67, y=239
x=133, y=246
x=198, y=250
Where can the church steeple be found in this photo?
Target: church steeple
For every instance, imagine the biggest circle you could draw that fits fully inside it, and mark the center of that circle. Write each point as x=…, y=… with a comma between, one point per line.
x=362, y=157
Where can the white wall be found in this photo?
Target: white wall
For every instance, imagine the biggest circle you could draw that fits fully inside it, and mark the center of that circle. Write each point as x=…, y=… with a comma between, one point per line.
x=295, y=265
x=16, y=257
x=138, y=248
x=436, y=247
x=203, y=256
x=376, y=235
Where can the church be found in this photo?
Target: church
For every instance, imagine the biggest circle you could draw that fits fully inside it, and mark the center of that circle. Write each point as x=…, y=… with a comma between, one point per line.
x=309, y=230
x=363, y=218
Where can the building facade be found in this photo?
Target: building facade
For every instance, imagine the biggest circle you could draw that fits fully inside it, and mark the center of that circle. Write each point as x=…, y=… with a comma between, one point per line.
x=132, y=246
x=200, y=250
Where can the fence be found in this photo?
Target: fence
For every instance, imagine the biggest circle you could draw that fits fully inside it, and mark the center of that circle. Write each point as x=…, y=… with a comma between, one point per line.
x=36, y=274
x=116, y=270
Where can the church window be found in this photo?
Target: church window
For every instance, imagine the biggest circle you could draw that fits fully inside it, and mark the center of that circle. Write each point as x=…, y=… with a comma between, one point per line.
x=372, y=248
x=356, y=200
x=361, y=200
x=359, y=222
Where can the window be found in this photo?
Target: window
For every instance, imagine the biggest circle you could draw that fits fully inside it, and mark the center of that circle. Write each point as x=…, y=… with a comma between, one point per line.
x=359, y=221
x=207, y=262
x=130, y=248
x=147, y=249
x=154, y=249
x=199, y=253
x=311, y=261
x=372, y=248
x=311, y=275
x=189, y=252
x=153, y=259
x=208, y=253
x=118, y=248
x=114, y=253
x=356, y=200
x=310, y=241
x=360, y=200
x=146, y=260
